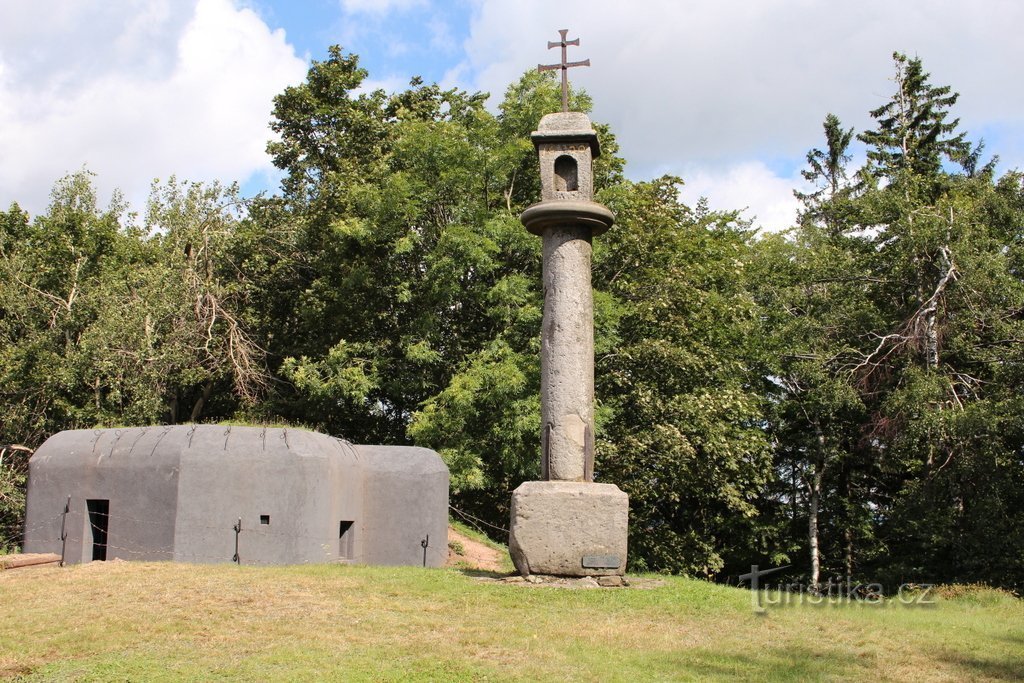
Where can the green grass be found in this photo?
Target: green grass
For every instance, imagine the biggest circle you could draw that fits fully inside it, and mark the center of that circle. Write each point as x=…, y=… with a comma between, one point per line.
x=162, y=621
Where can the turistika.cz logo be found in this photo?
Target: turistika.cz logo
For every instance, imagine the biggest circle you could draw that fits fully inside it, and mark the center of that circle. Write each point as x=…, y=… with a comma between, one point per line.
x=831, y=594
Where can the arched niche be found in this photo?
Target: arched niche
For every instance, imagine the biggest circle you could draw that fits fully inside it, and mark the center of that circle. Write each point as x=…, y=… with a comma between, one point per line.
x=566, y=174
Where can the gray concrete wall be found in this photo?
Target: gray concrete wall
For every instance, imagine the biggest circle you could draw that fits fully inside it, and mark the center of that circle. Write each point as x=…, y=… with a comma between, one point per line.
x=127, y=467
x=405, y=499
x=298, y=481
x=175, y=493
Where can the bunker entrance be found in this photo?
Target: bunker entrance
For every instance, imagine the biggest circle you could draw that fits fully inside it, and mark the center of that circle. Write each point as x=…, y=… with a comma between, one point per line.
x=345, y=536
x=99, y=523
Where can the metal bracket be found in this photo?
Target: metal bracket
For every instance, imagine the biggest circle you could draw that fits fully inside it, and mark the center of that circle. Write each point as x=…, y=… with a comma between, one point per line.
x=588, y=453
x=545, y=453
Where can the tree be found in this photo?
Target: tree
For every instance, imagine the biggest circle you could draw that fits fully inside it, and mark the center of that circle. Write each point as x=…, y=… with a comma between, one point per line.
x=387, y=281
x=679, y=411
x=328, y=136
x=812, y=288
x=913, y=135
x=896, y=306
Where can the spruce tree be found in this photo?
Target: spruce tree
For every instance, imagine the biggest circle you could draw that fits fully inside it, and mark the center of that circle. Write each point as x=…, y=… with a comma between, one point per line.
x=913, y=133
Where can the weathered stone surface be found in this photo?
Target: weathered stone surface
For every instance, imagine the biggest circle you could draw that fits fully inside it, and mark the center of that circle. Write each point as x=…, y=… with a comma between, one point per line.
x=567, y=355
x=539, y=217
x=568, y=136
x=556, y=523
x=565, y=122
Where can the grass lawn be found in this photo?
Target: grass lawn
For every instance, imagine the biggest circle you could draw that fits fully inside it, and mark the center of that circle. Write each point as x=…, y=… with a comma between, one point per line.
x=162, y=621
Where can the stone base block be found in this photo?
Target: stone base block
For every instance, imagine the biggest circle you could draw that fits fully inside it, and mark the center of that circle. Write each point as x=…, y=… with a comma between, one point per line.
x=567, y=528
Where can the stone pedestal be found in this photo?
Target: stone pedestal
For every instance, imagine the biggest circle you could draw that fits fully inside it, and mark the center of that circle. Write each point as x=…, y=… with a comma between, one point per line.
x=567, y=528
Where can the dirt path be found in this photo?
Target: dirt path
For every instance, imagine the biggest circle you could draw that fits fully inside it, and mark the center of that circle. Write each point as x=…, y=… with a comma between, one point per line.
x=473, y=555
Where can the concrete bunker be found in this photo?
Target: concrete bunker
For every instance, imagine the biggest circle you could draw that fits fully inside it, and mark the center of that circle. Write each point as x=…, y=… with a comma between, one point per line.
x=205, y=493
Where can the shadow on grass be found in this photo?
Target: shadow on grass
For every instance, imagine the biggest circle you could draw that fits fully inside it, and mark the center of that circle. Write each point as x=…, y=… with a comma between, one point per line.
x=772, y=664
x=483, y=573
x=788, y=664
x=1009, y=668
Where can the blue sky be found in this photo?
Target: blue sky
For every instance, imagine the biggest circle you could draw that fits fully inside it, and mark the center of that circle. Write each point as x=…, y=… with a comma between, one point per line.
x=728, y=94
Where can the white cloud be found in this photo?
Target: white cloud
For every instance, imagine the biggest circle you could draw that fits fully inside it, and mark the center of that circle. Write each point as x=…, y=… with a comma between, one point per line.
x=734, y=76
x=167, y=89
x=441, y=38
x=705, y=87
x=765, y=197
x=379, y=6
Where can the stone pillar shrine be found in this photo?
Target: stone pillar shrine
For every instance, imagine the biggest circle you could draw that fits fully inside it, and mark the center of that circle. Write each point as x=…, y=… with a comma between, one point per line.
x=567, y=525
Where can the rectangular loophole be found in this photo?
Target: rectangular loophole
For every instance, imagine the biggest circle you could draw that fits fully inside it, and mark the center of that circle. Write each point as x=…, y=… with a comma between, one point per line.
x=345, y=537
x=99, y=525
x=264, y=519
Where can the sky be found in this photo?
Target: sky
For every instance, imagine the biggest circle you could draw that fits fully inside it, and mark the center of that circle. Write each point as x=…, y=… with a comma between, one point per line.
x=729, y=95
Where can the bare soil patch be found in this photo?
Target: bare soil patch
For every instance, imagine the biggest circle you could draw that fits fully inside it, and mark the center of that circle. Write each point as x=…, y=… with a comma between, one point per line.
x=466, y=553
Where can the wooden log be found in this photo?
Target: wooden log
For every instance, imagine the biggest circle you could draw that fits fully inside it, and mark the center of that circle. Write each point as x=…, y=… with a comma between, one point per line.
x=28, y=560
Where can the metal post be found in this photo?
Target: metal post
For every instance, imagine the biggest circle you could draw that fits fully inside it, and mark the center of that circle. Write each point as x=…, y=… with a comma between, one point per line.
x=63, y=530
x=425, y=543
x=238, y=530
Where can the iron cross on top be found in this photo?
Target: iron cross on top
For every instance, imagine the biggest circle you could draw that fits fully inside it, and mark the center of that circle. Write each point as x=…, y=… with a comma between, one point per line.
x=564, y=66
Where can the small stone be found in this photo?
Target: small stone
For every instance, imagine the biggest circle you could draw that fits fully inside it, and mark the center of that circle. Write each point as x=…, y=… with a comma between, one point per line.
x=532, y=578
x=610, y=581
x=515, y=578
x=587, y=582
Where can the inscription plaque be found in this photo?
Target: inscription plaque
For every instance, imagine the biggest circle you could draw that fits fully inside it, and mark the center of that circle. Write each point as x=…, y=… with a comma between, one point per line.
x=601, y=561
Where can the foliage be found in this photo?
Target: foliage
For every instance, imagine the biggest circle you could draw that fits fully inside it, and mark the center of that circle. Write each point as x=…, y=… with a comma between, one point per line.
x=896, y=312
x=913, y=134
x=681, y=430
x=849, y=392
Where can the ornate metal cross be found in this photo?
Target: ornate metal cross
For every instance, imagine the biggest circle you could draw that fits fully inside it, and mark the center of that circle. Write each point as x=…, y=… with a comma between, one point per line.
x=564, y=66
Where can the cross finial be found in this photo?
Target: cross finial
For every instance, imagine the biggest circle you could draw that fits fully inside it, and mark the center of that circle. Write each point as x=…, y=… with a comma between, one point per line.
x=564, y=66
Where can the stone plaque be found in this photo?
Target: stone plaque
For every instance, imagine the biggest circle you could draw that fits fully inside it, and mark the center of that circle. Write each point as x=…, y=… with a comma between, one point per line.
x=601, y=561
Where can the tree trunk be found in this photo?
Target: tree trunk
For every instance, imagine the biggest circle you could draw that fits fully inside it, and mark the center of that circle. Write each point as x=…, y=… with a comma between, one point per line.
x=848, y=529
x=812, y=528
x=931, y=308
x=815, y=502
x=197, y=409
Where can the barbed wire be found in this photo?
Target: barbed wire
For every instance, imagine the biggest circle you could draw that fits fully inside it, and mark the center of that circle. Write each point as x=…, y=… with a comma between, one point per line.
x=475, y=520
x=116, y=541
x=20, y=532
x=117, y=435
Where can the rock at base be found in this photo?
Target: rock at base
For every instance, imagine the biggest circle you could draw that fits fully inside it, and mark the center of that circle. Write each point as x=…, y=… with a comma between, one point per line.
x=566, y=528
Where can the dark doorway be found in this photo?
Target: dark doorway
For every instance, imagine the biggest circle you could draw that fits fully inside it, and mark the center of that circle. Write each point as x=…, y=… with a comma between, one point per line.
x=345, y=536
x=99, y=523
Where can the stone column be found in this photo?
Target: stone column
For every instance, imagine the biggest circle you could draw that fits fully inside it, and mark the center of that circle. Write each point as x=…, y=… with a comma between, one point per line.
x=567, y=356
x=567, y=525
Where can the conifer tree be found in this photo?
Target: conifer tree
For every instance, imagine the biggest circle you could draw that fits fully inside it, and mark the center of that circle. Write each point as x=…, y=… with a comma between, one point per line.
x=913, y=133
